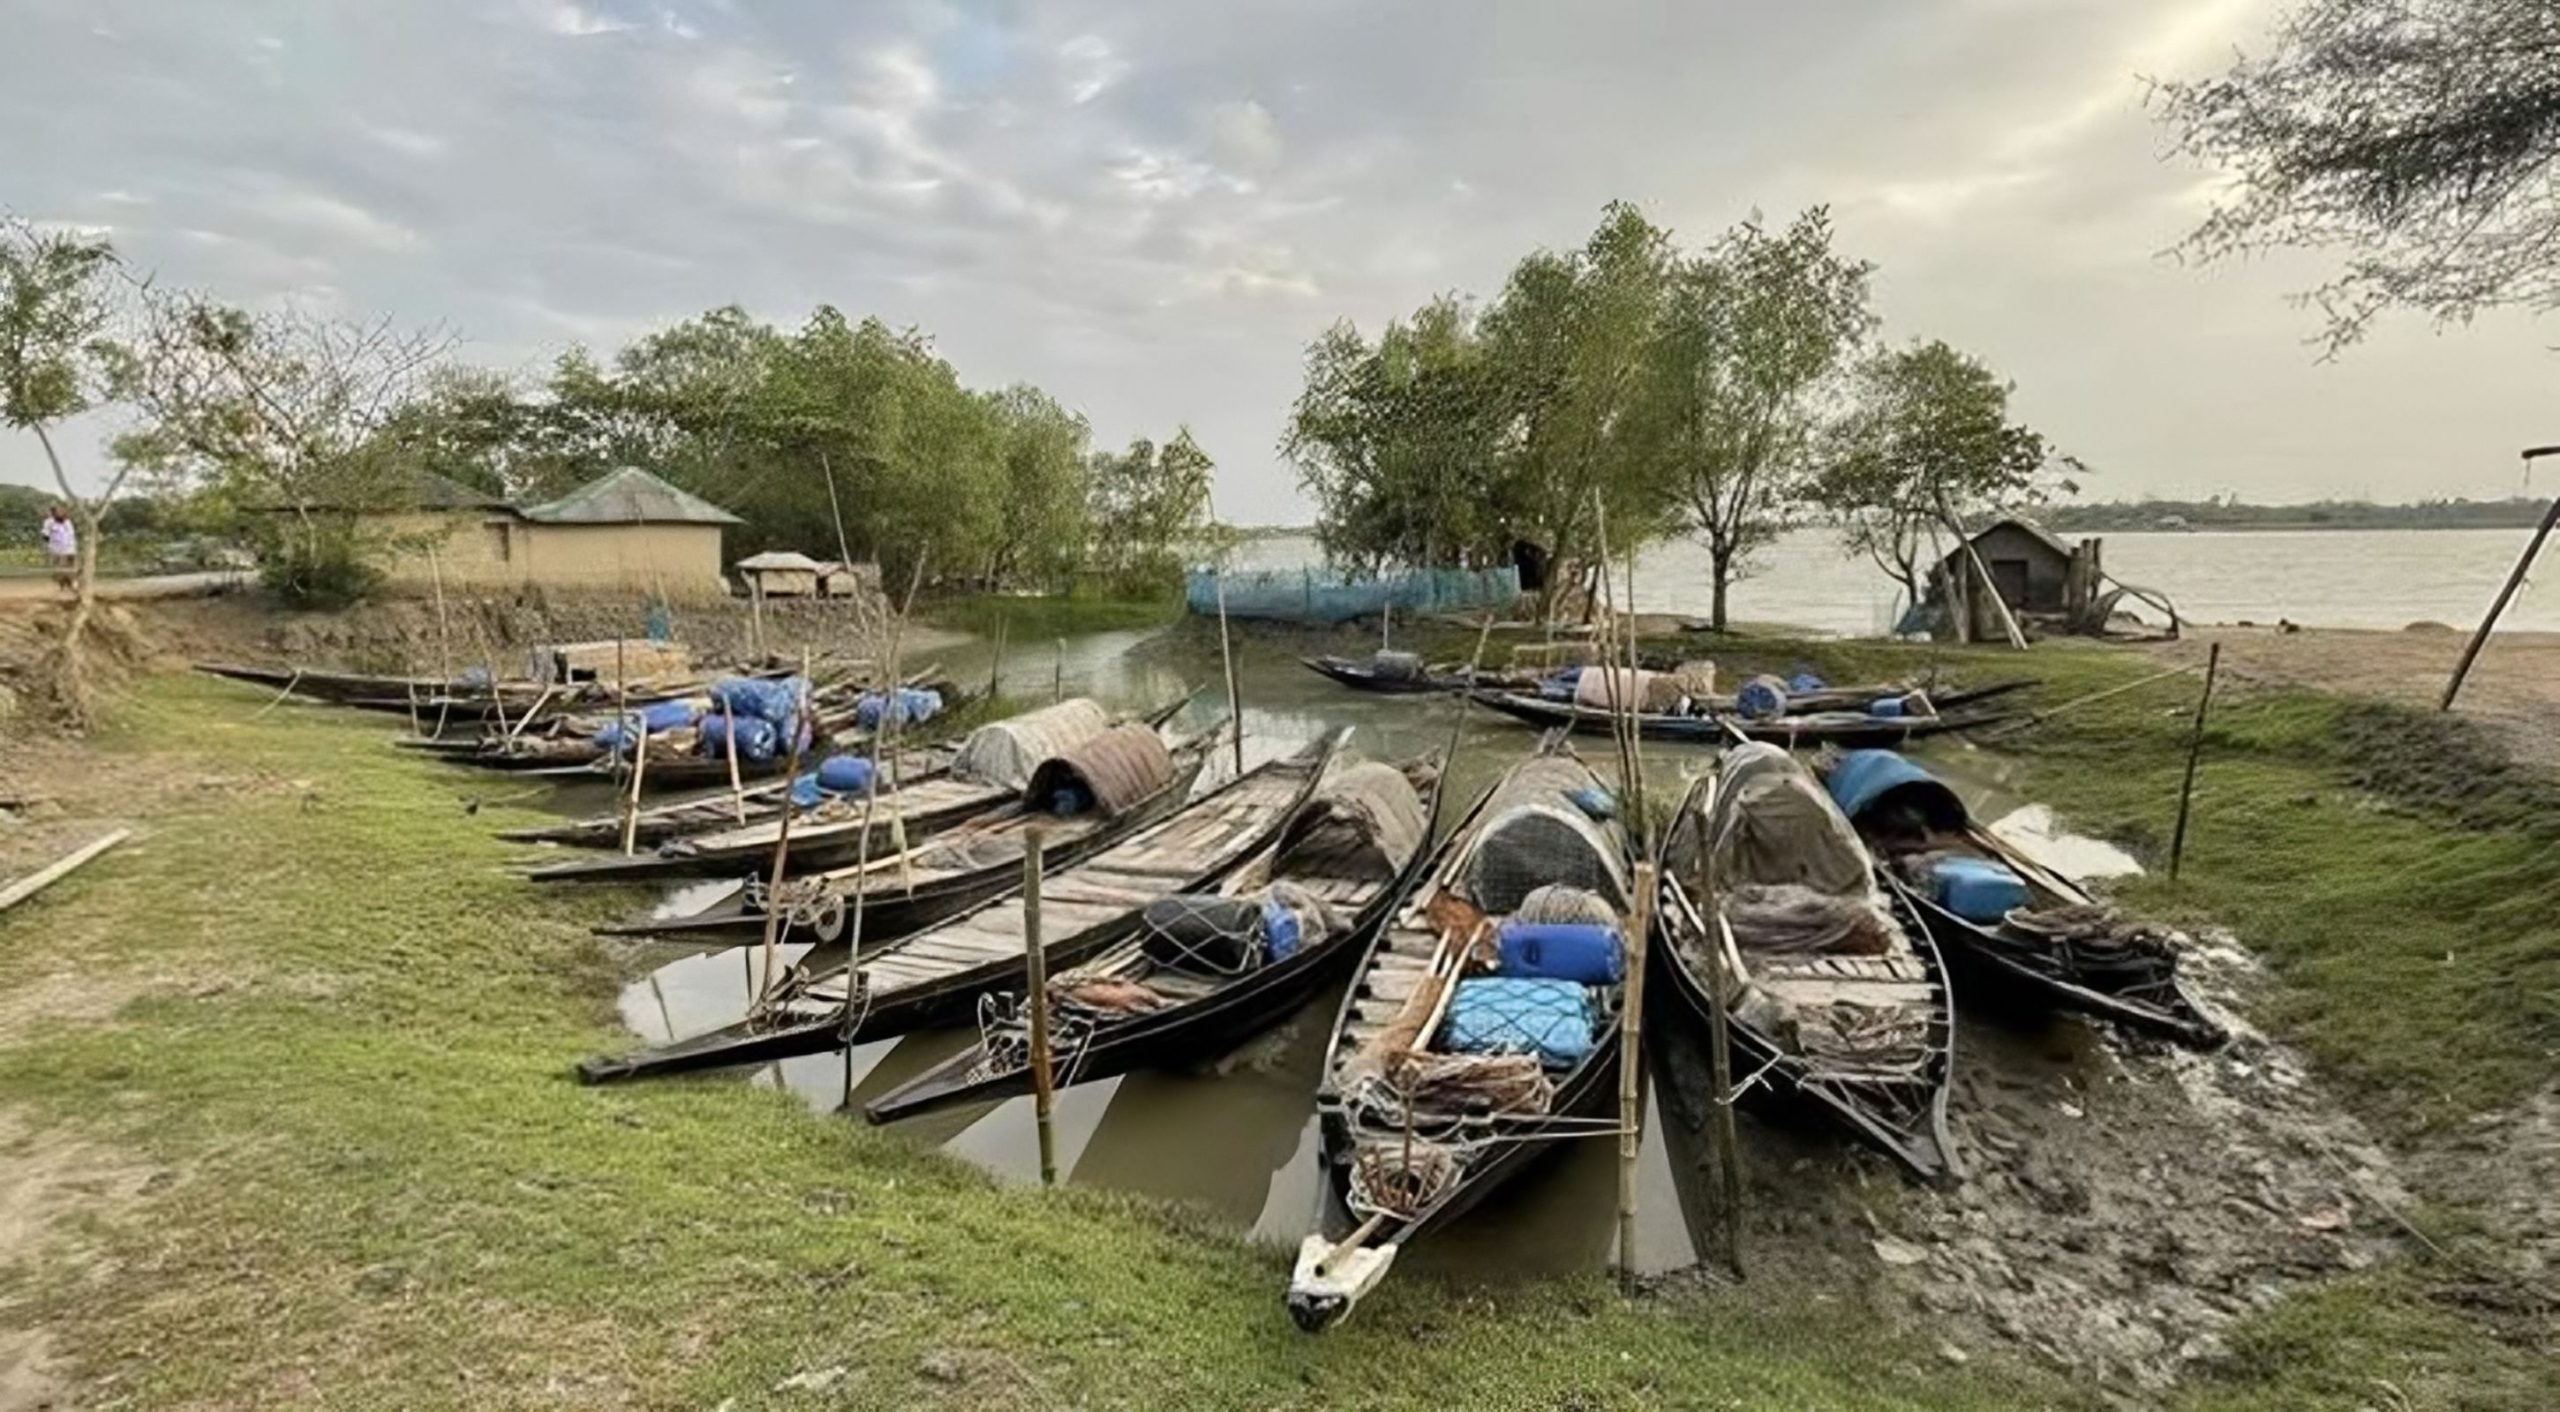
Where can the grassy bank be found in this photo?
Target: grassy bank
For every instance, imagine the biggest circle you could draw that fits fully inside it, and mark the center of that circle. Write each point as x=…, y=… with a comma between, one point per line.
x=1038, y=618
x=333, y=1033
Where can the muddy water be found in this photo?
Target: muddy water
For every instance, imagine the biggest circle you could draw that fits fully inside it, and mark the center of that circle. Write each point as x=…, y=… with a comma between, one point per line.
x=1237, y=1138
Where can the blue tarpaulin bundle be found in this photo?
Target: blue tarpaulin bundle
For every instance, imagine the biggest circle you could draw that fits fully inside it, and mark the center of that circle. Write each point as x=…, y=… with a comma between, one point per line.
x=1804, y=681
x=1587, y=953
x=1977, y=889
x=836, y=775
x=1864, y=778
x=913, y=704
x=656, y=718
x=763, y=698
x=1761, y=698
x=758, y=739
x=1516, y=1015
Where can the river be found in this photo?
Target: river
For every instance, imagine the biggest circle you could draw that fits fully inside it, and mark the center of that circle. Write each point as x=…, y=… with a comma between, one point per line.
x=2318, y=578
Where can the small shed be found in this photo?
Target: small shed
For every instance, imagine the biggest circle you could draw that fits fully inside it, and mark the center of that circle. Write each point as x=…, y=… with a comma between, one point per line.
x=780, y=573
x=2029, y=567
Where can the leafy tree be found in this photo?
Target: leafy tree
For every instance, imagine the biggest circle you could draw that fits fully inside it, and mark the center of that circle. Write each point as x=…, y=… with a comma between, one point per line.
x=1927, y=445
x=1748, y=337
x=1401, y=443
x=1150, y=507
x=2417, y=136
x=59, y=358
x=1043, y=510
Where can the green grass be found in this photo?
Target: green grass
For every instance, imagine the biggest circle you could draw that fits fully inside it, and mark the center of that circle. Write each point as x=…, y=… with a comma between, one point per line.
x=351, y=1043
x=1039, y=618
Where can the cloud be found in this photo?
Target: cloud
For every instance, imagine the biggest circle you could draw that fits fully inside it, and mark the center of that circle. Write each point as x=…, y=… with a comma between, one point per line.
x=1150, y=206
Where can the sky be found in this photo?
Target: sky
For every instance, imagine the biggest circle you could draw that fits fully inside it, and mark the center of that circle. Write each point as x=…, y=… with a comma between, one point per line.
x=1150, y=207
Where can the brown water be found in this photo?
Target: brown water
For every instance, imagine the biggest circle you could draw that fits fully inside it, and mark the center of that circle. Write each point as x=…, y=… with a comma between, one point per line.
x=1237, y=1138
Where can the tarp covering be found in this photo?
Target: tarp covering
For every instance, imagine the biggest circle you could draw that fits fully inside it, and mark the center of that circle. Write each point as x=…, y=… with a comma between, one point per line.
x=1774, y=824
x=1865, y=779
x=1534, y=834
x=1005, y=752
x=1115, y=771
x=1363, y=821
x=1606, y=688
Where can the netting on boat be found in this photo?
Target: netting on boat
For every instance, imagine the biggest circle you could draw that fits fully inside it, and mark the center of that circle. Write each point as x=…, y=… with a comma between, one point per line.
x=1365, y=821
x=1535, y=834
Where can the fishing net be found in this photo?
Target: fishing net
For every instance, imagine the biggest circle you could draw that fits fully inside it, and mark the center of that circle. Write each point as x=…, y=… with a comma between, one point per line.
x=1534, y=834
x=1502, y=1084
x=1402, y=1179
x=1789, y=919
x=1558, y=903
x=2099, y=943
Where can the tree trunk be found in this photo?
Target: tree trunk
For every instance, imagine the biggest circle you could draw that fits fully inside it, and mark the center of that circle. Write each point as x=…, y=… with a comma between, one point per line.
x=1720, y=563
x=71, y=679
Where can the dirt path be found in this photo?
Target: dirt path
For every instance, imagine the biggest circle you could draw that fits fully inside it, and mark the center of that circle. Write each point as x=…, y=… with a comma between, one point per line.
x=41, y=589
x=2514, y=689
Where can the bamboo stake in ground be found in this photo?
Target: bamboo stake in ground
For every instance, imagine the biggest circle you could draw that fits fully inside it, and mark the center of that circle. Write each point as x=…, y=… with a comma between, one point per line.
x=43, y=878
x=1058, y=674
x=631, y=806
x=1724, y=1142
x=773, y=904
x=1036, y=996
x=2507, y=590
x=2195, y=749
x=444, y=635
x=737, y=787
x=995, y=669
x=1227, y=653
x=1630, y=1074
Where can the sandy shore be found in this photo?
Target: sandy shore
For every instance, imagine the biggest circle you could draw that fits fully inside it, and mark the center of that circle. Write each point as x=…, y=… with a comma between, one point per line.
x=2514, y=688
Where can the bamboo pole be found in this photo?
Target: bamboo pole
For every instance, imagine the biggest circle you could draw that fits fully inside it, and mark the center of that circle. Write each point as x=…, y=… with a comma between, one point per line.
x=1726, y=1142
x=2075, y=703
x=622, y=719
x=1058, y=673
x=1036, y=967
x=755, y=615
x=46, y=877
x=1630, y=1078
x=995, y=669
x=2195, y=749
x=737, y=787
x=773, y=905
x=2507, y=590
x=444, y=631
x=1227, y=654
x=631, y=806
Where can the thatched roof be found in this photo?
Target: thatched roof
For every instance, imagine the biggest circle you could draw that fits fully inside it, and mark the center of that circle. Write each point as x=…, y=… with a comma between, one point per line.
x=1121, y=768
x=1005, y=752
x=779, y=560
x=629, y=496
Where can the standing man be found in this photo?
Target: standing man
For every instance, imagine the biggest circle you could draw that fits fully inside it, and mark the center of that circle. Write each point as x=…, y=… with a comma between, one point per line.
x=62, y=547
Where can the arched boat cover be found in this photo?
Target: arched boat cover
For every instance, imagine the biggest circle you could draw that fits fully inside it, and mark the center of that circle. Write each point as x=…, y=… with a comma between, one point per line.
x=1534, y=834
x=1363, y=821
x=1773, y=824
x=1120, y=769
x=1866, y=778
x=1006, y=752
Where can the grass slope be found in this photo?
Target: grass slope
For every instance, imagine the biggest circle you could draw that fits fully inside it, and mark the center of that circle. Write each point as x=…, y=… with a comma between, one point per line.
x=349, y=1041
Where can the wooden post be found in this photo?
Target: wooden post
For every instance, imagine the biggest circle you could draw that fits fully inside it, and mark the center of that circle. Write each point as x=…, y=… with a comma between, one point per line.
x=1035, y=961
x=1724, y=1143
x=1630, y=1076
x=444, y=632
x=773, y=904
x=631, y=806
x=1227, y=654
x=45, y=877
x=737, y=787
x=755, y=615
x=2195, y=748
x=995, y=669
x=1058, y=673
x=2507, y=590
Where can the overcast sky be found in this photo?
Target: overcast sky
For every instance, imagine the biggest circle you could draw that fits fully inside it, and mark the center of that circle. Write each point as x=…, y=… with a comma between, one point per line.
x=1150, y=207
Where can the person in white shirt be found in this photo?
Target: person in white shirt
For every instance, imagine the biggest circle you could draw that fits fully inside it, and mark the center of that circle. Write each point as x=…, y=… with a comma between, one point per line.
x=62, y=546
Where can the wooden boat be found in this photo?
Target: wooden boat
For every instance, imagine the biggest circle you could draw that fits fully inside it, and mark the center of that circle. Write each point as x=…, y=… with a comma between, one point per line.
x=567, y=744
x=1341, y=864
x=453, y=701
x=991, y=768
x=1835, y=995
x=1124, y=779
x=835, y=734
x=1413, y=1130
x=934, y=976
x=1376, y=676
x=1847, y=729
x=705, y=811
x=2062, y=949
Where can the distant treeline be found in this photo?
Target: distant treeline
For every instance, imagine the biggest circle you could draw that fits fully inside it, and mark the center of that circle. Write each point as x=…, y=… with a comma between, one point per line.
x=2321, y=514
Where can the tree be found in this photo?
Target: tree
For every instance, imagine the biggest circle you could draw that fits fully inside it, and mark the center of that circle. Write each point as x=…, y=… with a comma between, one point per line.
x=1748, y=336
x=2420, y=137
x=59, y=358
x=1928, y=444
x=1046, y=457
x=287, y=413
x=1150, y=505
x=1401, y=443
